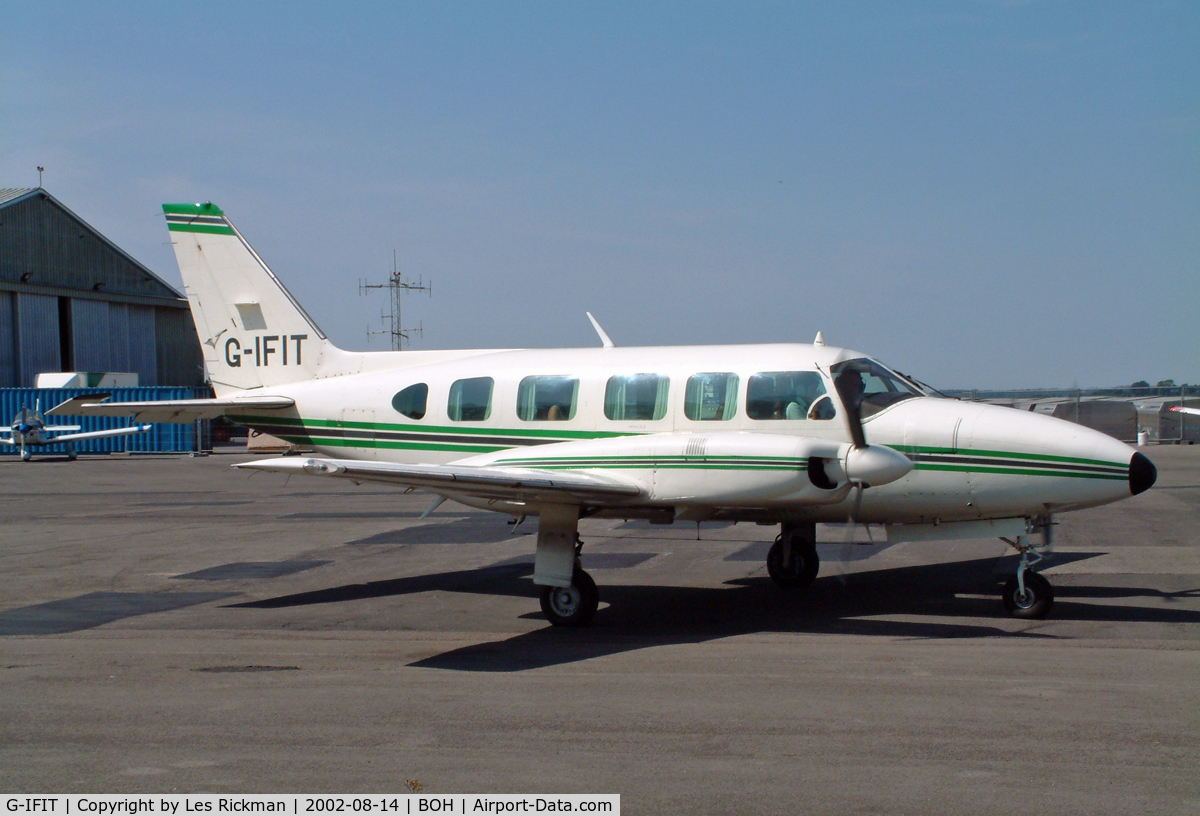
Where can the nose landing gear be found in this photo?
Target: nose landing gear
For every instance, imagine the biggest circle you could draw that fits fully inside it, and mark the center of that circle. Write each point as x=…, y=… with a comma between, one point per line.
x=1027, y=594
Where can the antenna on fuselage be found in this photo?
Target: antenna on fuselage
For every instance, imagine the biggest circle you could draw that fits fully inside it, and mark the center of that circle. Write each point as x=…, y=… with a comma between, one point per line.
x=604, y=339
x=819, y=340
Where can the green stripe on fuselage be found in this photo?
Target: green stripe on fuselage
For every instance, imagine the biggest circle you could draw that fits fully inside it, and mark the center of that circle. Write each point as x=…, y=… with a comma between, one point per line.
x=1014, y=471
x=1034, y=457
x=309, y=432
x=441, y=430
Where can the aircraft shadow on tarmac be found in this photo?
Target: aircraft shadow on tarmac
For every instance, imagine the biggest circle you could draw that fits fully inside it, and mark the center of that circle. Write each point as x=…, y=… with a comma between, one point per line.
x=643, y=616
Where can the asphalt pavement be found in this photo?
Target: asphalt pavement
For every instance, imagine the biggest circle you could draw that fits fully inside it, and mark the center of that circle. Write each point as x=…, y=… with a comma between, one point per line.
x=172, y=625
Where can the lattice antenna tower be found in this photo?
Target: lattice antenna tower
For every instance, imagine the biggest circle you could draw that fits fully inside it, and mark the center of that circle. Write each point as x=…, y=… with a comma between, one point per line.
x=396, y=286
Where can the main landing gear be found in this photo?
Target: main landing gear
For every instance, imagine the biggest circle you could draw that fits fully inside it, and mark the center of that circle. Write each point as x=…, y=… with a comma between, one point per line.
x=573, y=605
x=792, y=561
x=569, y=595
x=1027, y=594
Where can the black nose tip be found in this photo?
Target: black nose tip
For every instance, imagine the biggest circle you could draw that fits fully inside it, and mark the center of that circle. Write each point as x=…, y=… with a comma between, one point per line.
x=1142, y=474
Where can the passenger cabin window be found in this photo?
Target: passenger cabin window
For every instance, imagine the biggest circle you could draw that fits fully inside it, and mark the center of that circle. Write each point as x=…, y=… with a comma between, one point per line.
x=411, y=401
x=636, y=397
x=878, y=386
x=470, y=400
x=710, y=396
x=783, y=394
x=549, y=399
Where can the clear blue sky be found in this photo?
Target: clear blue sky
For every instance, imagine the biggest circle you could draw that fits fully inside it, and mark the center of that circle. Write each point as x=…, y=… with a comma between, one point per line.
x=988, y=194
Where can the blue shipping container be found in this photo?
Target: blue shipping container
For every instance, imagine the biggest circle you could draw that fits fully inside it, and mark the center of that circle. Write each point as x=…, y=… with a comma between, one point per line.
x=164, y=437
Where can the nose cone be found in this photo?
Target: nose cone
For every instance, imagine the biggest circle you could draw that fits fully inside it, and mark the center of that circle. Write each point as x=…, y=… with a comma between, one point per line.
x=1142, y=474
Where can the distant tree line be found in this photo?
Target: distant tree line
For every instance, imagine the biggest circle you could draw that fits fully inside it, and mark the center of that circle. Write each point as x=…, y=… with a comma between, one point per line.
x=1162, y=388
x=1141, y=388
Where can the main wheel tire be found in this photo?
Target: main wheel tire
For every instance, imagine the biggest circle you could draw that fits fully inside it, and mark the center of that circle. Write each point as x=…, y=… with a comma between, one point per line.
x=573, y=605
x=800, y=571
x=1036, y=601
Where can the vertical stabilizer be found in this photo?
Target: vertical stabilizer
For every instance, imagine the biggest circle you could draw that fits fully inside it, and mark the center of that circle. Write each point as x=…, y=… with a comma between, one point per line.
x=252, y=331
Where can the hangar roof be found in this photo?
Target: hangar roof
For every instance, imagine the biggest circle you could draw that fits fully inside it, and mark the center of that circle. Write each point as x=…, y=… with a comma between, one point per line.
x=42, y=249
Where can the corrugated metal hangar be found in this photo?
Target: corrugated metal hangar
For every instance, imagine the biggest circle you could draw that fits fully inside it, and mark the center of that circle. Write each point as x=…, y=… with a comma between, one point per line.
x=71, y=300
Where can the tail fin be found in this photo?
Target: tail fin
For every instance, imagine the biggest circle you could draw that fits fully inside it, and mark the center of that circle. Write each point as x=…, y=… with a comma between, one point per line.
x=252, y=331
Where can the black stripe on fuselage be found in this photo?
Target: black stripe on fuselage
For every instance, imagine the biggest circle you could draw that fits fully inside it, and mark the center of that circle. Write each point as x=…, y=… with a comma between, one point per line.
x=955, y=459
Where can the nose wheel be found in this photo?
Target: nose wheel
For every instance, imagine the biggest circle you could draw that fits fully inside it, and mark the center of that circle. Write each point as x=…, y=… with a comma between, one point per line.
x=1027, y=594
x=1033, y=600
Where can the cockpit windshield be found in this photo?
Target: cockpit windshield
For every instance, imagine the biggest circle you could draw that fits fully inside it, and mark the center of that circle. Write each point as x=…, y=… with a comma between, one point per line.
x=880, y=387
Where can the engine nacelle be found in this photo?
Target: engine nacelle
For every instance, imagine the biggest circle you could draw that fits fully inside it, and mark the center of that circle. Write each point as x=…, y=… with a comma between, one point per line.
x=719, y=469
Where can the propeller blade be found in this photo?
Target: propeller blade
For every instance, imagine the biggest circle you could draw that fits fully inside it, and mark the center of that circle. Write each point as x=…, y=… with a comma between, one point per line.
x=848, y=539
x=849, y=385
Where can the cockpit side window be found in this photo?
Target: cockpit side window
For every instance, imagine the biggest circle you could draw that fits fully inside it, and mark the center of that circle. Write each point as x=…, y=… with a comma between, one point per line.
x=783, y=394
x=880, y=387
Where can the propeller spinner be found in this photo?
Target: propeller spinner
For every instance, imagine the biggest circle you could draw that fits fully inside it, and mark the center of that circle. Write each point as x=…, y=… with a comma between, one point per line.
x=865, y=465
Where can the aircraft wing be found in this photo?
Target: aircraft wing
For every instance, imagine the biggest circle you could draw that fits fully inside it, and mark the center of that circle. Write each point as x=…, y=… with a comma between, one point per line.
x=168, y=410
x=79, y=437
x=489, y=482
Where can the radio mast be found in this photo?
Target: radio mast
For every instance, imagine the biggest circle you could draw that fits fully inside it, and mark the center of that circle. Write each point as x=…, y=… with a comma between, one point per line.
x=396, y=286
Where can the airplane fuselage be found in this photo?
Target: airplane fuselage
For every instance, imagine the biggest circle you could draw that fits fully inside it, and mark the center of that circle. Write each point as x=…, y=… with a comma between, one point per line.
x=972, y=461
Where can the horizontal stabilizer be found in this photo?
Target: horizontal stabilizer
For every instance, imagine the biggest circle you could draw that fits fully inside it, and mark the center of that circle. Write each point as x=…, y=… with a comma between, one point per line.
x=508, y=484
x=170, y=410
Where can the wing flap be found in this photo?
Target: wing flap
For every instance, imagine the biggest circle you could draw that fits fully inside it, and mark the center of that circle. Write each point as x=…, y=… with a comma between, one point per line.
x=509, y=484
x=169, y=410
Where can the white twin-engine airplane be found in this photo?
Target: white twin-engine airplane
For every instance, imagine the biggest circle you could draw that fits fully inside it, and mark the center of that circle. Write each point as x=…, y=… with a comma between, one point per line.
x=789, y=434
x=30, y=428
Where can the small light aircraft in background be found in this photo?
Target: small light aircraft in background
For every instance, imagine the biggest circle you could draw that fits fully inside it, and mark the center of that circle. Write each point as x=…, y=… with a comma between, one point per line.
x=30, y=428
x=770, y=434
x=1179, y=409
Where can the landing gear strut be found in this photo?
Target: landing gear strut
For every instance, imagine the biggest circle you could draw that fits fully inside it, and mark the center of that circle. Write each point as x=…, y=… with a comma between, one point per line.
x=569, y=595
x=1027, y=594
x=792, y=561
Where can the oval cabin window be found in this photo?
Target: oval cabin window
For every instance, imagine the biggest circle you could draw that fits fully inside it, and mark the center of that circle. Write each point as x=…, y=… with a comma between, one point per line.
x=412, y=400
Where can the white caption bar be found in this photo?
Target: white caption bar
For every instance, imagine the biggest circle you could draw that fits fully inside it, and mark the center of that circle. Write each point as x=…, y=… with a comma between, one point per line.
x=211, y=804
